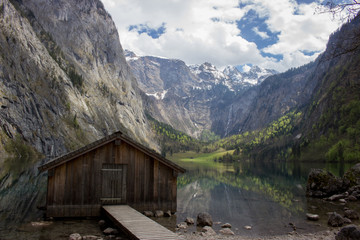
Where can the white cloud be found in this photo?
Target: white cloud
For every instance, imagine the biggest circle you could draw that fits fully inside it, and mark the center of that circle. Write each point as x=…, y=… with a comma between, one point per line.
x=203, y=30
x=263, y=35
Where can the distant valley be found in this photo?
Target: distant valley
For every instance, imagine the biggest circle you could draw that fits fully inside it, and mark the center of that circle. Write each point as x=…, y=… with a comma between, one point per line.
x=189, y=98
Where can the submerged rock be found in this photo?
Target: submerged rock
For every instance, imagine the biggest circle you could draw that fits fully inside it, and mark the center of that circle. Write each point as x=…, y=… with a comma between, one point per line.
x=204, y=219
x=351, y=232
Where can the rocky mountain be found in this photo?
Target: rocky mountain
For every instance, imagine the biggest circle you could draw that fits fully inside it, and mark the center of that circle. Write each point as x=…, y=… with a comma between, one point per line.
x=193, y=98
x=64, y=82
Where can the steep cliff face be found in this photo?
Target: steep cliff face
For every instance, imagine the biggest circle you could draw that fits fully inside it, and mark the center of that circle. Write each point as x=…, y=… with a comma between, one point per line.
x=64, y=75
x=64, y=82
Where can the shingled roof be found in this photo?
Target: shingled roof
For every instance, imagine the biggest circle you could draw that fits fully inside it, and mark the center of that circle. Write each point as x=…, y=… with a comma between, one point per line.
x=115, y=136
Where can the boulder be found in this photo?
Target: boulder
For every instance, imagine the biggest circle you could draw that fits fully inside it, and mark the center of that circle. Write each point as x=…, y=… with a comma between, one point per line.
x=189, y=221
x=350, y=232
x=159, y=213
x=312, y=217
x=322, y=184
x=208, y=231
x=336, y=220
x=352, y=176
x=148, y=213
x=226, y=231
x=351, y=214
x=226, y=225
x=75, y=236
x=204, y=219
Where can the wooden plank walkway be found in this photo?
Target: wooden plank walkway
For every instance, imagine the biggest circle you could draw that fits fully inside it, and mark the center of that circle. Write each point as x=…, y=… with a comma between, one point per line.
x=136, y=224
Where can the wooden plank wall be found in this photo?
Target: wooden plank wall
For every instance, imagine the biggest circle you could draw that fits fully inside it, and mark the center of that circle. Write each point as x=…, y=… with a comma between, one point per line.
x=74, y=188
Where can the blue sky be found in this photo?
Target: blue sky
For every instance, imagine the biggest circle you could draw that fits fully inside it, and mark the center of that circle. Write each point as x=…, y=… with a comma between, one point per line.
x=277, y=34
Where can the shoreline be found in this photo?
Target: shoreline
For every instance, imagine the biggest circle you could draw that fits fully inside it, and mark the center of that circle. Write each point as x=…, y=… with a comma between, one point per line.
x=321, y=235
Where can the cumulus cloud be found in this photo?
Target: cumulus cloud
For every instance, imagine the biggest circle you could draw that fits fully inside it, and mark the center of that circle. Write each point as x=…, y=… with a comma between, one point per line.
x=206, y=30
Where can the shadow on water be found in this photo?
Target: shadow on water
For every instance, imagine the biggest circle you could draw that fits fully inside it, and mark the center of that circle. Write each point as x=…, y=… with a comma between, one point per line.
x=268, y=196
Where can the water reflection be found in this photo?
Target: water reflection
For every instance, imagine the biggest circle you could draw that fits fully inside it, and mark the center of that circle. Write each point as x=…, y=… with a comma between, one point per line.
x=265, y=195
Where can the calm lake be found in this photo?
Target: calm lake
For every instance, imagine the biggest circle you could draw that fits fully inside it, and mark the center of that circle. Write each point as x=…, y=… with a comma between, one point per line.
x=269, y=197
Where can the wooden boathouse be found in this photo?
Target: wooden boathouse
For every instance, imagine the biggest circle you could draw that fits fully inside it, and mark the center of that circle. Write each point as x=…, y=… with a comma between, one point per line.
x=111, y=171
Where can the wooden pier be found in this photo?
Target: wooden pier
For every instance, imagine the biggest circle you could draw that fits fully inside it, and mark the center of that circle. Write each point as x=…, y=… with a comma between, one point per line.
x=136, y=225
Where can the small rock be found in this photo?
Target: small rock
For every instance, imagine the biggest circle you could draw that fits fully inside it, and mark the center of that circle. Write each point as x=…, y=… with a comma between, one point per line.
x=312, y=217
x=149, y=213
x=110, y=231
x=75, y=236
x=41, y=224
x=102, y=224
x=336, y=197
x=342, y=200
x=226, y=231
x=335, y=220
x=159, y=213
x=350, y=232
x=167, y=213
x=226, y=225
x=351, y=214
x=90, y=237
x=347, y=221
x=208, y=231
x=248, y=227
x=204, y=219
x=189, y=221
x=182, y=225
x=351, y=198
x=110, y=237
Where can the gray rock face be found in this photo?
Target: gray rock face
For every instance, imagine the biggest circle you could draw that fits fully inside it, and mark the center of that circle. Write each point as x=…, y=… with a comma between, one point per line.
x=351, y=232
x=204, y=219
x=195, y=98
x=64, y=83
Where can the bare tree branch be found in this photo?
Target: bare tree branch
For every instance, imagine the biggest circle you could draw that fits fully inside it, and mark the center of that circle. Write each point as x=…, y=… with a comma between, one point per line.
x=342, y=11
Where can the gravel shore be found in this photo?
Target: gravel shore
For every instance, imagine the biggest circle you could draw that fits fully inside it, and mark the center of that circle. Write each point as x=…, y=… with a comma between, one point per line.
x=323, y=235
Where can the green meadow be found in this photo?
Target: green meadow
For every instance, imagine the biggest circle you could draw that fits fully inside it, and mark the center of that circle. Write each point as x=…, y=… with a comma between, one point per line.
x=192, y=160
